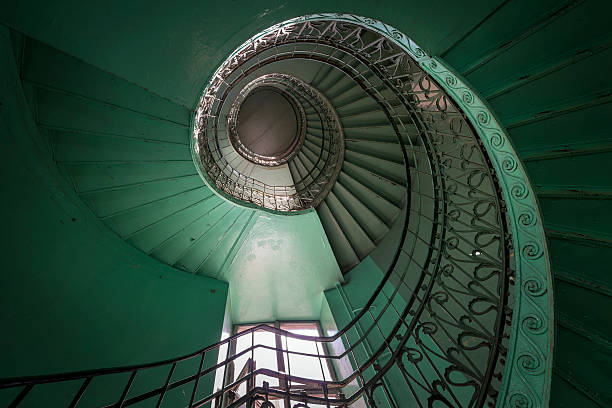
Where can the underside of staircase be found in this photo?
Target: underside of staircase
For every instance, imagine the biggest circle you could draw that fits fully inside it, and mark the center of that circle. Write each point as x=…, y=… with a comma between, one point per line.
x=118, y=126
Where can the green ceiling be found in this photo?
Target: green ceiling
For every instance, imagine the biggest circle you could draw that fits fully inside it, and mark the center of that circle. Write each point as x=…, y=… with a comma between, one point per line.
x=70, y=287
x=531, y=62
x=173, y=50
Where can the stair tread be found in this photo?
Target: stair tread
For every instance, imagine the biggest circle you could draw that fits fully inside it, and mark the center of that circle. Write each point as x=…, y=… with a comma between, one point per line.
x=59, y=110
x=355, y=234
x=164, y=231
x=189, y=246
x=106, y=203
x=213, y=265
x=94, y=176
x=378, y=134
x=368, y=220
x=389, y=170
x=384, y=209
x=392, y=192
x=77, y=146
x=345, y=254
x=386, y=151
x=206, y=245
x=126, y=224
x=48, y=66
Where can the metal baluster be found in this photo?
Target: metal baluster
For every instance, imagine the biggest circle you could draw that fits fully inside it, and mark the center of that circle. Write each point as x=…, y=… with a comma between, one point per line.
x=197, y=380
x=287, y=380
x=80, y=392
x=126, y=389
x=320, y=362
x=360, y=379
x=385, y=385
x=251, y=382
x=405, y=375
x=21, y=395
x=219, y=402
x=326, y=394
x=251, y=364
x=163, y=393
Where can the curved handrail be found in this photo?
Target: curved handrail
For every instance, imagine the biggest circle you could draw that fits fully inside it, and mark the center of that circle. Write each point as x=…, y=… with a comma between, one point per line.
x=245, y=190
x=273, y=82
x=474, y=207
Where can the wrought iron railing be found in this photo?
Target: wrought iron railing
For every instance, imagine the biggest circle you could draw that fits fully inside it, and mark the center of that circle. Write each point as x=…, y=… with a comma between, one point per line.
x=215, y=129
x=460, y=317
x=288, y=86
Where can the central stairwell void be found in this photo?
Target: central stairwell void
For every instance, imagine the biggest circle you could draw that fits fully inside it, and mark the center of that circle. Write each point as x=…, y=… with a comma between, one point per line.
x=347, y=117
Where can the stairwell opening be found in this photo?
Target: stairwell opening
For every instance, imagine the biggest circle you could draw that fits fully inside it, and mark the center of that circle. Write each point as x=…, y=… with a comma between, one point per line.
x=423, y=145
x=268, y=126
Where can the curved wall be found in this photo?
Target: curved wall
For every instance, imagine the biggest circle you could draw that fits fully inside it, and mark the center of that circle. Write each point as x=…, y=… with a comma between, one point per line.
x=544, y=66
x=74, y=295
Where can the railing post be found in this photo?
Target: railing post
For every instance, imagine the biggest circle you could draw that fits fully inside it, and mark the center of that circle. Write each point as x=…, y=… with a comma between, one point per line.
x=163, y=393
x=197, y=380
x=80, y=392
x=126, y=389
x=21, y=395
x=250, y=382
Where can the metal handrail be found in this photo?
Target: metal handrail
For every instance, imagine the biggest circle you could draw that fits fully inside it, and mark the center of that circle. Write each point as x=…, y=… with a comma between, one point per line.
x=226, y=180
x=441, y=325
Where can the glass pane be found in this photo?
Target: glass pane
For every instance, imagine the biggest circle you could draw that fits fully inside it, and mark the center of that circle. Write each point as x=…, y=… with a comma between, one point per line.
x=265, y=358
x=305, y=366
x=242, y=343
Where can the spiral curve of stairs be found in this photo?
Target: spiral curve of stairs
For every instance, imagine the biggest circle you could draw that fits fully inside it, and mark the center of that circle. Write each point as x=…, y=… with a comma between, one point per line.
x=123, y=144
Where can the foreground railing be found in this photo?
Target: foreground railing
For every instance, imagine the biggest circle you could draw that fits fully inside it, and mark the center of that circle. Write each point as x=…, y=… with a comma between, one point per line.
x=460, y=318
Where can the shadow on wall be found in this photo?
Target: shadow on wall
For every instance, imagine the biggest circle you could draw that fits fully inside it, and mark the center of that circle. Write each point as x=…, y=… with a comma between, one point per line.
x=75, y=296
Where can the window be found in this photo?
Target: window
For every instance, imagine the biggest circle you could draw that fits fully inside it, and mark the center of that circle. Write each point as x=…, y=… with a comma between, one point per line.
x=275, y=352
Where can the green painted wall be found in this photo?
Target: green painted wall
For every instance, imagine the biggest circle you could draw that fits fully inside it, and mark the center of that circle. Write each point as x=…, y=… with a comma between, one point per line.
x=74, y=295
x=346, y=301
x=546, y=75
x=280, y=269
x=543, y=65
x=100, y=129
x=173, y=50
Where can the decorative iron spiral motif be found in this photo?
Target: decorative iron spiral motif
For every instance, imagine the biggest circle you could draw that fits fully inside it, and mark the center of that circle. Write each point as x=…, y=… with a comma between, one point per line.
x=275, y=81
x=437, y=330
x=219, y=173
x=452, y=270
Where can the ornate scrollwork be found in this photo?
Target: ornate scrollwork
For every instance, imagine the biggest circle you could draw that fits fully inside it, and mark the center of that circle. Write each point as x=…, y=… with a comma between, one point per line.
x=462, y=318
x=274, y=81
x=519, y=400
x=527, y=218
x=534, y=324
x=534, y=287
x=532, y=250
x=210, y=136
x=530, y=364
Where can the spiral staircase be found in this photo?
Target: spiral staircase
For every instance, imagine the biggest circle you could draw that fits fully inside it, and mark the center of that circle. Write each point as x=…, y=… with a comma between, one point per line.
x=421, y=189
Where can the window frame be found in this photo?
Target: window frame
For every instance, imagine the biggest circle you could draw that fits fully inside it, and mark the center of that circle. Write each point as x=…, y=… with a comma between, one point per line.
x=280, y=347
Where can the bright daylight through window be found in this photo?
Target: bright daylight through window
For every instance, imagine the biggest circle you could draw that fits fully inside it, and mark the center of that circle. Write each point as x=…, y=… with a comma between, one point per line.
x=263, y=349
